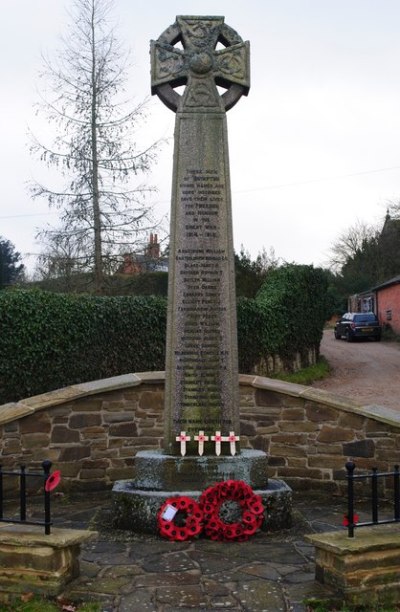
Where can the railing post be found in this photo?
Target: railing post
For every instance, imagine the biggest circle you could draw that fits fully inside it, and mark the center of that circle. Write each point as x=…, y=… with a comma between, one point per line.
x=374, y=485
x=22, y=493
x=350, y=466
x=396, y=487
x=46, y=465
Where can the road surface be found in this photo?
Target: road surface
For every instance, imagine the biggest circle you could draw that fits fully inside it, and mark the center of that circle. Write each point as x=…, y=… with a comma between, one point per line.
x=366, y=371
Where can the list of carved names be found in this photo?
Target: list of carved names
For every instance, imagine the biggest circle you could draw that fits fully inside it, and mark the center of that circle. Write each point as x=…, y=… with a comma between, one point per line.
x=202, y=348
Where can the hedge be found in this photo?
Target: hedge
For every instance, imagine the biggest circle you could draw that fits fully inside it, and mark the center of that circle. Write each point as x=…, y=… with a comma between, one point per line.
x=286, y=319
x=50, y=340
x=294, y=303
x=146, y=283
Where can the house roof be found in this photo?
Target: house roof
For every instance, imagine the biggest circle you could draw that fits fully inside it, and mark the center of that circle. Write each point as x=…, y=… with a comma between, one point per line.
x=361, y=294
x=392, y=281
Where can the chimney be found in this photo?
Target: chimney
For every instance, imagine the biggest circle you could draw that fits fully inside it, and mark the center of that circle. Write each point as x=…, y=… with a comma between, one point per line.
x=156, y=248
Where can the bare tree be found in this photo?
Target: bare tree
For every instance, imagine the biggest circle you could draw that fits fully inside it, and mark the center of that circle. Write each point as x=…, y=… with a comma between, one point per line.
x=59, y=259
x=103, y=204
x=349, y=243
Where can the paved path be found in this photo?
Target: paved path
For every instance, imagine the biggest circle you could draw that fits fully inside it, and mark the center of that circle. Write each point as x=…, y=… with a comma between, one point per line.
x=132, y=572
x=368, y=372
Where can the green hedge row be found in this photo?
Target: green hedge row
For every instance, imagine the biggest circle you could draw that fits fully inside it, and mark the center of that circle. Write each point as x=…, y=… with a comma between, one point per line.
x=146, y=283
x=286, y=319
x=295, y=304
x=50, y=340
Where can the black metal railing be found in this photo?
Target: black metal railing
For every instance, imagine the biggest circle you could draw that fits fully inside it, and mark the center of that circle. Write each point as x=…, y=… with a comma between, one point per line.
x=22, y=475
x=374, y=476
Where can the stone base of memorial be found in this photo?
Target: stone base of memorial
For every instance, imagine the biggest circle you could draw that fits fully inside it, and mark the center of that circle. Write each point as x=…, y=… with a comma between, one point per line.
x=160, y=476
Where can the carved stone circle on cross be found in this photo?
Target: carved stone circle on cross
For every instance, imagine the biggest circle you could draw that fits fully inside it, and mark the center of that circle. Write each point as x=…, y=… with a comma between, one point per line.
x=200, y=65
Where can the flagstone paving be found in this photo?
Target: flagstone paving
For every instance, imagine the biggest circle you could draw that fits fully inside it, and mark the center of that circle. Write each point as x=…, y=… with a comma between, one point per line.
x=128, y=572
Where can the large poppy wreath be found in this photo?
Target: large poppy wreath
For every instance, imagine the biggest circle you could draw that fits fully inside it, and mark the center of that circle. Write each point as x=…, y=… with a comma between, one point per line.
x=227, y=501
x=180, y=518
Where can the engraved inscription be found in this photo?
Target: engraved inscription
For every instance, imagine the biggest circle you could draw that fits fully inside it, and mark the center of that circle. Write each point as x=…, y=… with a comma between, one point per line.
x=201, y=352
x=202, y=196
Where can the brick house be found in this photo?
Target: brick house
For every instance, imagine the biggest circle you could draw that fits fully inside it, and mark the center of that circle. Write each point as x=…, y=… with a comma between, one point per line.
x=149, y=261
x=383, y=299
x=387, y=298
x=362, y=302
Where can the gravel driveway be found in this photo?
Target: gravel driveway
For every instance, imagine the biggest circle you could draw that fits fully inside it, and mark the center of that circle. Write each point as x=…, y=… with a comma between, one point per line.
x=366, y=371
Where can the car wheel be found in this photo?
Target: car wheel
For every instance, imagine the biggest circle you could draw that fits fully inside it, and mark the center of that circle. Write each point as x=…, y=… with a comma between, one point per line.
x=377, y=338
x=337, y=336
x=349, y=337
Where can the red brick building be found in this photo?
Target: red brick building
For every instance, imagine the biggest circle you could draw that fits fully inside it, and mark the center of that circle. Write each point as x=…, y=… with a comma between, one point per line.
x=149, y=261
x=387, y=297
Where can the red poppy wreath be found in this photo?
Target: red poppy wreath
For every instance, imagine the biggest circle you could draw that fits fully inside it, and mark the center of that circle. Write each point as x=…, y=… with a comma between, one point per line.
x=180, y=518
x=220, y=500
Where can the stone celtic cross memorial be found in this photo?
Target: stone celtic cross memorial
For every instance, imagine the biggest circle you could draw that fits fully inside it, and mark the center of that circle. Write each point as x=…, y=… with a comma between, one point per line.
x=202, y=391
x=202, y=424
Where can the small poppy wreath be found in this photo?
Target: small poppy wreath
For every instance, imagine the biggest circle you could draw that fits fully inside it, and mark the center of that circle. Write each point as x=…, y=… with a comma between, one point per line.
x=180, y=518
x=212, y=502
x=52, y=481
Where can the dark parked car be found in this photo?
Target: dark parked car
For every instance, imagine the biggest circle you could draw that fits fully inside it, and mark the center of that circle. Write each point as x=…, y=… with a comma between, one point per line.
x=358, y=325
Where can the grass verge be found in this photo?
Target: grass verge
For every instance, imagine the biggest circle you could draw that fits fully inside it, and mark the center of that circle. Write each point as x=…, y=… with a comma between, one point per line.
x=42, y=604
x=306, y=376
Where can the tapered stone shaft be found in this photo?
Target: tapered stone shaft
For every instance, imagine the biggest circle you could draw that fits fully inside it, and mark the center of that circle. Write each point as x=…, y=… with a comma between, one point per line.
x=201, y=390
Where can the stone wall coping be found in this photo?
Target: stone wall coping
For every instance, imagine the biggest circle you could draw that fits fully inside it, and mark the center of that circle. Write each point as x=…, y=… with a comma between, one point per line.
x=13, y=411
x=374, y=411
x=366, y=539
x=280, y=386
x=16, y=410
x=152, y=378
x=32, y=535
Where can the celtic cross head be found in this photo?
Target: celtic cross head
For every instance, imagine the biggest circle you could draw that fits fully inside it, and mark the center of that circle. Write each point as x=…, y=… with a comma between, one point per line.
x=200, y=65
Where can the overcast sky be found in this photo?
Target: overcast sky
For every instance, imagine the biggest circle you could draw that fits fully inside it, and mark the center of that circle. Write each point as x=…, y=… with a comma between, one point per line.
x=314, y=147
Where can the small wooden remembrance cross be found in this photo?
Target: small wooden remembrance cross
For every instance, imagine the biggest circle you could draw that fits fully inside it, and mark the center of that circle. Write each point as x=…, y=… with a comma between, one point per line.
x=232, y=439
x=201, y=438
x=217, y=439
x=183, y=438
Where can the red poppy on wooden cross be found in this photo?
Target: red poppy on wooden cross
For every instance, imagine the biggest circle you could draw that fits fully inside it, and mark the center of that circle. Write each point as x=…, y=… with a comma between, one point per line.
x=232, y=439
x=218, y=438
x=183, y=438
x=201, y=438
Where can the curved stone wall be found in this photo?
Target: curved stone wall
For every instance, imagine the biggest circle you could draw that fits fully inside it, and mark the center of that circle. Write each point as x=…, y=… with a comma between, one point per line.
x=92, y=431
